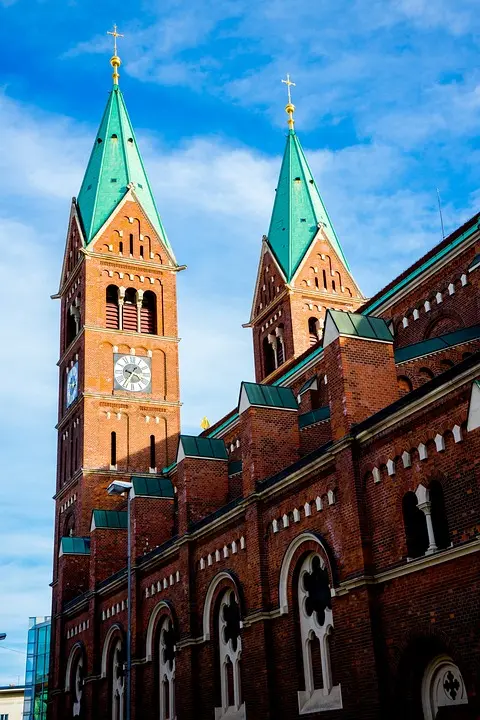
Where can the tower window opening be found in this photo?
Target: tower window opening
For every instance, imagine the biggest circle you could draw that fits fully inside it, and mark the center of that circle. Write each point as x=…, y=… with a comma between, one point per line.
x=148, y=313
x=113, y=449
x=316, y=282
x=99, y=140
x=268, y=357
x=313, y=330
x=114, y=137
x=324, y=274
x=130, y=140
x=112, y=308
x=141, y=251
x=153, y=463
x=120, y=246
x=333, y=286
x=130, y=320
x=131, y=244
x=71, y=330
x=415, y=526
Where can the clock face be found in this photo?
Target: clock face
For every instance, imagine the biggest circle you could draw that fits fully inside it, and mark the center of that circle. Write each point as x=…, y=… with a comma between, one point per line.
x=132, y=373
x=72, y=384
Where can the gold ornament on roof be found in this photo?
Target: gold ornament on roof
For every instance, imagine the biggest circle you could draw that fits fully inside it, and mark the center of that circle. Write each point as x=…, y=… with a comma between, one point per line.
x=205, y=424
x=115, y=61
x=289, y=107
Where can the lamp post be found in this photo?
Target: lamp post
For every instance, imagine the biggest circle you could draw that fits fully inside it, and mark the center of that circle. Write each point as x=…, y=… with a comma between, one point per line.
x=120, y=487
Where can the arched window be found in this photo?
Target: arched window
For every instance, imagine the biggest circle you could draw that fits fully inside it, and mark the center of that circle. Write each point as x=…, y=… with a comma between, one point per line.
x=167, y=670
x=442, y=687
x=113, y=449
x=415, y=526
x=77, y=682
x=130, y=315
x=71, y=329
x=131, y=244
x=153, y=463
x=324, y=277
x=112, y=309
x=439, y=516
x=313, y=330
x=404, y=384
x=280, y=348
x=316, y=626
x=446, y=364
x=230, y=651
x=69, y=526
x=148, y=313
x=268, y=356
x=118, y=682
x=425, y=374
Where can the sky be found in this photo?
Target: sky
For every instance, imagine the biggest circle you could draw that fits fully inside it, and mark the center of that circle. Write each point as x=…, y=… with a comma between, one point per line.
x=388, y=110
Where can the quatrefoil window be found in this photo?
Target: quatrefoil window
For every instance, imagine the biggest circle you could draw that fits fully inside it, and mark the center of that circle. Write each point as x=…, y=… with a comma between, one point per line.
x=231, y=617
x=318, y=592
x=451, y=685
x=169, y=646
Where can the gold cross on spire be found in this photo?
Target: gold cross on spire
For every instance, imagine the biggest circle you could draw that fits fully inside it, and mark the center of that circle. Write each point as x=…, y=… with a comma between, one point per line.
x=290, y=107
x=115, y=36
x=289, y=84
x=115, y=62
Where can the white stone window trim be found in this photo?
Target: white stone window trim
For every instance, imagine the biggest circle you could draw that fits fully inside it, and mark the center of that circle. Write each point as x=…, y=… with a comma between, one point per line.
x=434, y=696
x=329, y=697
x=166, y=674
x=227, y=653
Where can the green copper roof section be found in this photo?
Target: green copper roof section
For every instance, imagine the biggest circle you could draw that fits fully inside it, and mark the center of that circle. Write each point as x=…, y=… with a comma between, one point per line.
x=115, y=164
x=298, y=211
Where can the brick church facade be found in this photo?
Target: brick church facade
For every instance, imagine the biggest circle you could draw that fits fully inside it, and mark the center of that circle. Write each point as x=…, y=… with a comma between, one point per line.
x=316, y=551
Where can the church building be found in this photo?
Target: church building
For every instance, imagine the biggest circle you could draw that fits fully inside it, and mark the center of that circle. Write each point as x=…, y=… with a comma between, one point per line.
x=315, y=552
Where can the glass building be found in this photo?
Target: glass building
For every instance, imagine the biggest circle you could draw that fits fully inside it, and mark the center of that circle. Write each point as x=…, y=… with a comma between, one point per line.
x=36, y=674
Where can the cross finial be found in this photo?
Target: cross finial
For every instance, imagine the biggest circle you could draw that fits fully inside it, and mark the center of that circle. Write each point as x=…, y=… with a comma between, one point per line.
x=115, y=36
x=290, y=107
x=115, y=62
x=289, y=84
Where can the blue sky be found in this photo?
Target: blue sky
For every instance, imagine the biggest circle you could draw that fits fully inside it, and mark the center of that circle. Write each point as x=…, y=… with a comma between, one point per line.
x=388, y=109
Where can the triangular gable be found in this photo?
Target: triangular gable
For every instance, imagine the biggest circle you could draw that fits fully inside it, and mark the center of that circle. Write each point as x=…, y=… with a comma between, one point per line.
x=72, y=221
x=265, y=248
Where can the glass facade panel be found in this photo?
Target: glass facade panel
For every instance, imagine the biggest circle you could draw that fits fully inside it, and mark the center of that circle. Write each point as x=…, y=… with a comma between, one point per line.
x=36, y=673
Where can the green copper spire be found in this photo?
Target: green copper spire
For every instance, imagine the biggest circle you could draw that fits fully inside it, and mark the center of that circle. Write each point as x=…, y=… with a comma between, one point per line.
x=114, y=167
x=298, y=211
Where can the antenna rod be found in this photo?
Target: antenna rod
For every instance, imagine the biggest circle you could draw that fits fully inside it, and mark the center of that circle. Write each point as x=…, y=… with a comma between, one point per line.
x=440, y=211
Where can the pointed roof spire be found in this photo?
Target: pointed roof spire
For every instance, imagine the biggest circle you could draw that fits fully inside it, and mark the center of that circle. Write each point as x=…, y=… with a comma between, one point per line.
x=298, y=210
x=115, y=167
x=115, y=61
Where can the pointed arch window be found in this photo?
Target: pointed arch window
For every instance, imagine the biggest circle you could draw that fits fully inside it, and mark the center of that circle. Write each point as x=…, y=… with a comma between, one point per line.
x=112, y=308
x=415, y=526
x=167, y=652
x=316, y=627
x=118, y=682
x=268, y=356
x=313, y=330
x=230, y=652
x=78, y=675
x=148, y=313
x=280, y=347
x=439, y=515
x=130, y=321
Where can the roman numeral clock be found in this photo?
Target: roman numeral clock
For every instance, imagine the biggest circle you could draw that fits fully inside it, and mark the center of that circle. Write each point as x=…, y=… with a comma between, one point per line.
x=132, y=373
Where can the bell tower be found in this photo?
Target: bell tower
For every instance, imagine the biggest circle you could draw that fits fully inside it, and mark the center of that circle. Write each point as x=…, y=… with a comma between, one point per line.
x=302, y=270
x=119, y=408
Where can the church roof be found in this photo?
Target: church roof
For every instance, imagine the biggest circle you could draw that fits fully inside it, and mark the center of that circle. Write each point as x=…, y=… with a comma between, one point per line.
x=298, y=211
x=114, y=167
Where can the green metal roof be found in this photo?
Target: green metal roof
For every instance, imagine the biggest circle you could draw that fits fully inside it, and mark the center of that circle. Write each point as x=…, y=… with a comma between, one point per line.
x=115, y=163
x=298, y=211
x=364, y=326
x=475, y=263
x=154, y=486
x=314, y=416
x=112, y=519
x=269, y=395
x=203, y=447
x=426, y=347
x=75, y=546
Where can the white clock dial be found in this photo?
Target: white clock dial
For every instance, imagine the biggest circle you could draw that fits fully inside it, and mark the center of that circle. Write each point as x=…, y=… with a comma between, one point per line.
x=72, y=384
x=132, y=373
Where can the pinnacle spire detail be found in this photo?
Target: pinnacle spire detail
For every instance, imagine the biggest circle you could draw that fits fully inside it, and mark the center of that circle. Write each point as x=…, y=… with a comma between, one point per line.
x=290, y=107
x=115, y=61
x=298, y=211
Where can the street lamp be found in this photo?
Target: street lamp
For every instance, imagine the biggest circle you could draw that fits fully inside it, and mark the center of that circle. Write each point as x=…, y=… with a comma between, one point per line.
x=120, y=487
x=3, y=636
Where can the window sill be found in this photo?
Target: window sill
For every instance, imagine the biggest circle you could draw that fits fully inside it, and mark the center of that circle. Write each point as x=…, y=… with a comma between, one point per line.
x=231, y=713
x=318, y=701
